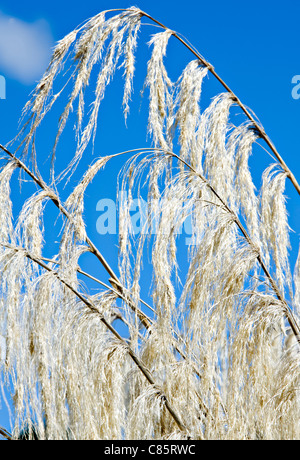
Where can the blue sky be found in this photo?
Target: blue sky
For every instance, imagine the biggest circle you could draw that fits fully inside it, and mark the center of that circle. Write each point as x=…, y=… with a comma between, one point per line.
x=254, y=46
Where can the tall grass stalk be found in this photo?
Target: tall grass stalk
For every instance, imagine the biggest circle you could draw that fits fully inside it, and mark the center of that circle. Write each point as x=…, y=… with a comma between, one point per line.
x=214, y=353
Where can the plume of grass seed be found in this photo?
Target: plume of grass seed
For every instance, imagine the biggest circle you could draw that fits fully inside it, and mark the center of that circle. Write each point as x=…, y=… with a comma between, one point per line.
x=245, y=188
x=145, y=416
x=29, y=227
x=256, y=383
x=100, y=41
x=95, y=379
x=6, y=228
x=42, y=99
x=212, y=138
x=275, y=228
x=49, y=383
x=188, y=113
x=160, y=90
x=18, y=294
x=75, y=202
x=129, y=61
x=74, y=231
x=119, y=26
x=236, y=374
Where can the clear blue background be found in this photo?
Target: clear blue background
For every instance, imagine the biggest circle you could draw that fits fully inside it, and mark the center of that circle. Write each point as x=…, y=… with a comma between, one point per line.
x=254, y=46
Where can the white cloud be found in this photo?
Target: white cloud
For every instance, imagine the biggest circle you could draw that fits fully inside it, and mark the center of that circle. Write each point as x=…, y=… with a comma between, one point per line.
x=25, y=48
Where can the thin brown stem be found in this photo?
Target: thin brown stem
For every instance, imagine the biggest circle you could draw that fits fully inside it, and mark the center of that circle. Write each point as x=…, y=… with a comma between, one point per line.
x=55, y=199
x=145, y=320
x=147, y=374
x=5, y=434
x=260, y=130
x=114, y=281
x=288, y=313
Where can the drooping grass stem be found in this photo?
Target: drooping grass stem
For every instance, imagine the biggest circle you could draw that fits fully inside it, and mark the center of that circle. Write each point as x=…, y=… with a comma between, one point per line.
x=260, y=130
x=289, y=315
